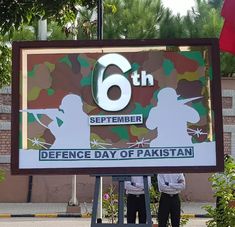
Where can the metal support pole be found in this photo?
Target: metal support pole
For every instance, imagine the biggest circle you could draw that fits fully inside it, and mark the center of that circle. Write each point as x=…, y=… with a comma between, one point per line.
x=121, y=198
x=73, y=201
x=100, y=201
x=42, y=29
x=147, y=200
x=95, y=202
x=100, y=37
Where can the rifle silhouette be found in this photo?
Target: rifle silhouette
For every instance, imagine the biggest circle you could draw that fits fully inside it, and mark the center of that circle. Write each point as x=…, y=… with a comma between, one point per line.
x=50, y=112
x=183, y=101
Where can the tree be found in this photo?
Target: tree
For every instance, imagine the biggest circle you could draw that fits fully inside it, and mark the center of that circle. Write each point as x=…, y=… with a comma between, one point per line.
x=18, y=21
x=205, y=21
x=55, y=32
x=217, y=4
x=227, y=64
x=137, y=19
x=24, y=33
x=16, y=13
x=171, y=26
x=5, y=64
x=85, y=24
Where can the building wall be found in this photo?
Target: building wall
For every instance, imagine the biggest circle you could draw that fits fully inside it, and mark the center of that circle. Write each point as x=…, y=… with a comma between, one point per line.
x=57, y=188
x=228, y=94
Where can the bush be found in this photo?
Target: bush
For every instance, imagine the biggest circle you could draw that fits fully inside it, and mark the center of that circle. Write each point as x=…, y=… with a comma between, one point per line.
x=2, y=175
x=223, y=184
x=110, y=204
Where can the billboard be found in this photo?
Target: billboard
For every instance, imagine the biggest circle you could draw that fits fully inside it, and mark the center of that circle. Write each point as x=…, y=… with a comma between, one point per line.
x=116, y=107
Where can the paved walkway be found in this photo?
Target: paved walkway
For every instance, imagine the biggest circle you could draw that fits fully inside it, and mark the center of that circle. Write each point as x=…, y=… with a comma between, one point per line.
x=79, y=222
x=51, y=210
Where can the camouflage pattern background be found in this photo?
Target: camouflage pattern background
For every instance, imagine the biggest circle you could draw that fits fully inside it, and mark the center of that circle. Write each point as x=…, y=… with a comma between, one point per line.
x=52, y=76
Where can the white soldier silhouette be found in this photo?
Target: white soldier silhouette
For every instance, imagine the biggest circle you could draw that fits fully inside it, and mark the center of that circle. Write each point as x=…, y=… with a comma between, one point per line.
x=69, y=123
x=170, y=117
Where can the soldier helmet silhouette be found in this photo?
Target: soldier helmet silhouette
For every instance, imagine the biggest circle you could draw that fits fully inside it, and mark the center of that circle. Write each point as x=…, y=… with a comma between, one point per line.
x=69, y=101
x=168, y=94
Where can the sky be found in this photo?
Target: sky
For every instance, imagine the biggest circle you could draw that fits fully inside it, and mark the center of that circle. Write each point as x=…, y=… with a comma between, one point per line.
x=179, y=6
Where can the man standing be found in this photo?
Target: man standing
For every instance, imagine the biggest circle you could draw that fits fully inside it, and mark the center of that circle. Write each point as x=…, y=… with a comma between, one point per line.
x=170, y=185
x=136, y=199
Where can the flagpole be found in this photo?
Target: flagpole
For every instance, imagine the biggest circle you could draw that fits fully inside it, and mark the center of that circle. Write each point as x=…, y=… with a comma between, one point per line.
x=99, y=20
x=100, y=37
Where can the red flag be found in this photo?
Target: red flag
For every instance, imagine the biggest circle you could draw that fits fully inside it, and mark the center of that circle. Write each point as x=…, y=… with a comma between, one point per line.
x=227, y=38
x=227, y=35
x=228, y=11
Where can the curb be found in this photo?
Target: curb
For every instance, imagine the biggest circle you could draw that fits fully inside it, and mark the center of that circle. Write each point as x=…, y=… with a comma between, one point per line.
x=77, y=215
x=62, y=215
x=190, y=216
x=195, y=215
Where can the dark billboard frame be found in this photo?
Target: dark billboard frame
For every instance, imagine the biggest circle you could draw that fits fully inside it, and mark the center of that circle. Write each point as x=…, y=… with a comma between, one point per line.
x=216, y=104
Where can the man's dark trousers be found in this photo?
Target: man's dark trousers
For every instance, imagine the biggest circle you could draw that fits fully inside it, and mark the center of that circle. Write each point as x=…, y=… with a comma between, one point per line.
x=169, y=205
x=136, y=203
